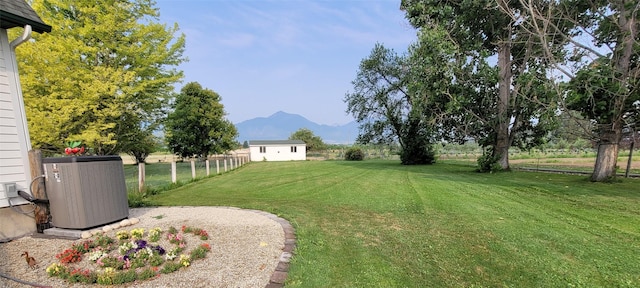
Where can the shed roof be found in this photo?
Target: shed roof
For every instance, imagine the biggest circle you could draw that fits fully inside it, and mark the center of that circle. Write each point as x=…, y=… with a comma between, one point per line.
x=276, y=142
x=18, y=13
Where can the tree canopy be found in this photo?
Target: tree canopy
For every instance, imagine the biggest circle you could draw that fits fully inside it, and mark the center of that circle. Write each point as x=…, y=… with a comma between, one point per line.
x=388, y=109
x=314, y=143
x=197, y=126
x=599, y=42
x=499, y=105
x=102, y=76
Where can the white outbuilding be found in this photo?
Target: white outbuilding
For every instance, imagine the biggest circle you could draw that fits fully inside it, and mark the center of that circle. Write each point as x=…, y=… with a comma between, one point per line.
x=277, y=150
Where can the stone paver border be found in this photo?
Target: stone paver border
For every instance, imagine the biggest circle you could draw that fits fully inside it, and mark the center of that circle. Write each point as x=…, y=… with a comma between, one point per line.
x=280, y=275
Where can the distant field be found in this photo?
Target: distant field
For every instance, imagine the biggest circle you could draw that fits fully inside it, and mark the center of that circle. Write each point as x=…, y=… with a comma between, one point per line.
x=377, y=223
x=159, y=170
x=577, y=162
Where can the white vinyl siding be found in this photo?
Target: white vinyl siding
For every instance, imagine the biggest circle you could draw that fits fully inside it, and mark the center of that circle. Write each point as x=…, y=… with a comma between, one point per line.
x=277, y=150
x=14, y=137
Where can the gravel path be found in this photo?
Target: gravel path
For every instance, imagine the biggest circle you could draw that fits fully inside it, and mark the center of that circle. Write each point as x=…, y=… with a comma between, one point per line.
x=249, y=249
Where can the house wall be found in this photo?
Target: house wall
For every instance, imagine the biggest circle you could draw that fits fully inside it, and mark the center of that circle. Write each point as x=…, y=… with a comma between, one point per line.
x=278, y=152
x=14, y=146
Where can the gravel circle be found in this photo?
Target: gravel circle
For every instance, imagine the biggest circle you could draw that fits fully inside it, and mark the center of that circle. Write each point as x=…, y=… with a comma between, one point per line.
x=247, y=250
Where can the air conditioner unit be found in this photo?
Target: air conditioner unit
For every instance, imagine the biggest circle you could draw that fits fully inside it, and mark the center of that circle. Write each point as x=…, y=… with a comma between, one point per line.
x=85, y=191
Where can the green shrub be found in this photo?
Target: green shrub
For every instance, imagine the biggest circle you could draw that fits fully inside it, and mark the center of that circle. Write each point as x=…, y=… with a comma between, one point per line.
x=354, y=154
x=170, y=267
x=102, y=240
x=138, y=262
x=146, y=274
x=156, y=260
x=125, y=277
x=198, y=253
x=135, y=199
x=82, y=276
x=113, y=262
x=488, y=163
x=417, y=153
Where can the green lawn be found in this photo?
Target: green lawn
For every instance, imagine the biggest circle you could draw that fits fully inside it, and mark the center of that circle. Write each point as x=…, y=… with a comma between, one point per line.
x=381, y=224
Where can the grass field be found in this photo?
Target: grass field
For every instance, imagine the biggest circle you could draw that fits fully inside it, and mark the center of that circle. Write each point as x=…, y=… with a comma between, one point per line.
x=381, y=224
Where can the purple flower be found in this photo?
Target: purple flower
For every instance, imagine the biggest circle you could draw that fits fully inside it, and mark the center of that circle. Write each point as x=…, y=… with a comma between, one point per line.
x=141, y=244
x=159, y=249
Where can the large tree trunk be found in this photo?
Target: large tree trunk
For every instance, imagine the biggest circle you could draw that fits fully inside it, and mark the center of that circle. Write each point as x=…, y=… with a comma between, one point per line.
x=501, y=148
x=607, y=157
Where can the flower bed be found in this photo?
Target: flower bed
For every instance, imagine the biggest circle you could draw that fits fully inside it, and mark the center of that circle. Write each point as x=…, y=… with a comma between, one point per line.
x=132, y=255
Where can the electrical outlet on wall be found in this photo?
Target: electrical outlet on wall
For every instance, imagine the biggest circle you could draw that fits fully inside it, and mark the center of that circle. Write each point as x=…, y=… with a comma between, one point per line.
x=11, y=189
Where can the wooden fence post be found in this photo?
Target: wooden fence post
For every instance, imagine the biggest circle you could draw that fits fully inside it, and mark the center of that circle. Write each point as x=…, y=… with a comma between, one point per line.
x=174, y=178
x=225, y=164
x=141, y=176
x=193, y=169
x=217, y=166
x=42, y=209
x=206, y=163
x=630, y=160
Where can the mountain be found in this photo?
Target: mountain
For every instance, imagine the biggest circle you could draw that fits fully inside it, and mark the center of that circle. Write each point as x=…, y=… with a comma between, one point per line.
x=281, y=125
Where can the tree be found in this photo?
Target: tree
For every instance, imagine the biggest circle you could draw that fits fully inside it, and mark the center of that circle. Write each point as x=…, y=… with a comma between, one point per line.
x=314, y=143
x=102, y=76
x=197, y=126
x=503, y=105
x=388, y=110
x=601, y=53
x=573, y=127
x=142, y=147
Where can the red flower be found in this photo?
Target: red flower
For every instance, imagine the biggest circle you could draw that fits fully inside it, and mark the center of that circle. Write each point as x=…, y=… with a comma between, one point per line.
x=69, y=256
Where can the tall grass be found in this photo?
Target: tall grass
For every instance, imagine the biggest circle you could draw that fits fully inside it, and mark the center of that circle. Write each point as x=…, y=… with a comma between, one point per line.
x=381, y=224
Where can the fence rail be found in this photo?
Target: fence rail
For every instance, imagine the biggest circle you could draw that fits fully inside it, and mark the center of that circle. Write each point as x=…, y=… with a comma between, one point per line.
x=152, y=175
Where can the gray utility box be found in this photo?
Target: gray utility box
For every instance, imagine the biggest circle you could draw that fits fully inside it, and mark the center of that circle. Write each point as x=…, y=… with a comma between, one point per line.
x=85, y=191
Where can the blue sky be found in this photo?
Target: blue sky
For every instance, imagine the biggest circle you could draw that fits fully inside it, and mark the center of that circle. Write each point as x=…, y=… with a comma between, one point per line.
x=294, y=56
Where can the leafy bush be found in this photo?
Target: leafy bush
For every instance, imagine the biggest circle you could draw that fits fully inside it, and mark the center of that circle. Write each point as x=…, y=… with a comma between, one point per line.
x=488, y=163
x=136, y=199
x=354, y=154
x=170, y=267
x=83, y=276
x=417, y=153
x=198, y=253
x=146, y=274
x=156, y=260
x=125, y=277
x=104, y=241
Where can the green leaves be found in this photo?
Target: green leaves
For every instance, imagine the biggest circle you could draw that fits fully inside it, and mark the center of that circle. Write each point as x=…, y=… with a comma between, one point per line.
x=314, y=143
x=197, y=126
x=392, y=103
x=103, y=75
